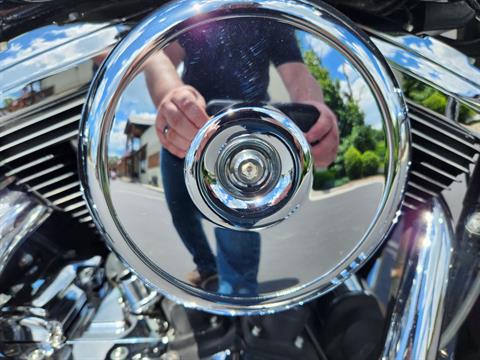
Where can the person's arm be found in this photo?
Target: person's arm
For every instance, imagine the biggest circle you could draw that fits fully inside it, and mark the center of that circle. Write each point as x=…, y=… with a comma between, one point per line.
x=301, y=85
x=180, y=108
x=161, y=73
x=303, y=88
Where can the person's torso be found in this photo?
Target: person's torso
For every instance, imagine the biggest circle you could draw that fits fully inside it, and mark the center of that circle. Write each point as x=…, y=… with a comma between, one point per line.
x=228, y=59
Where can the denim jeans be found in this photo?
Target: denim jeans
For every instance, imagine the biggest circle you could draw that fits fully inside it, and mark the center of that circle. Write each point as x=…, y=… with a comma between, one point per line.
x=238, y=252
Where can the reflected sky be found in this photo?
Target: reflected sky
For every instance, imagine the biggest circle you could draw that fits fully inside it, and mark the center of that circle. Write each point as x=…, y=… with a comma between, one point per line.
x=136, y=100
x=340, y=69
x=435, y=63
x=443, y=54
x=38, y=40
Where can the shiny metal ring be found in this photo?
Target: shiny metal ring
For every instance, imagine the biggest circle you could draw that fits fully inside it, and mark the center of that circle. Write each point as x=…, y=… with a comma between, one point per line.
x=215, y=182
x=166, y=128
x=126, y=61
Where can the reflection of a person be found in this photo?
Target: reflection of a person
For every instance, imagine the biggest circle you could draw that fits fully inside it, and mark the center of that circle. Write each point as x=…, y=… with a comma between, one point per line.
x=226, y=60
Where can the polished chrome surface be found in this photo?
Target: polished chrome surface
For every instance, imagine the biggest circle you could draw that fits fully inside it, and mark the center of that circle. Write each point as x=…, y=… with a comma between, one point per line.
x=44, y=76
x=433, y=63
x=20, y=215
x=49, y=63
x=132, y=190
x=242, y=172
x=137, y=296
x=426, y=243
x=441, y=152
x=114, y=327
x=42, y=323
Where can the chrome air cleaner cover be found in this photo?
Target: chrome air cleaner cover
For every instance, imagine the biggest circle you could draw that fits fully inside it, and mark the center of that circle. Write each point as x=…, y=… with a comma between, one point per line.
x=263, y=228
x=249, y=167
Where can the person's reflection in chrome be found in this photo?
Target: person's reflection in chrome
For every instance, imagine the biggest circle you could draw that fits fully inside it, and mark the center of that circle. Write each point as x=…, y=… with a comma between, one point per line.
x=227, y=59
x=238, y=252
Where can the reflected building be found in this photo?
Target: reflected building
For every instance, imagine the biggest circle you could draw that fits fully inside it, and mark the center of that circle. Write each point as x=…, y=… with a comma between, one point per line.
x=35, y=93
x=141, y=161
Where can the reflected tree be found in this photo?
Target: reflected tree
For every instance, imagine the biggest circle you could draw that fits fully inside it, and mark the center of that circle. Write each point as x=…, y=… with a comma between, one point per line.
x=433, y=99
x=362, y=148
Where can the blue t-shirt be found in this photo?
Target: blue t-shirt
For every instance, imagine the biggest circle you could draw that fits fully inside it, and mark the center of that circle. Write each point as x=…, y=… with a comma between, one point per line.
x=230, y=59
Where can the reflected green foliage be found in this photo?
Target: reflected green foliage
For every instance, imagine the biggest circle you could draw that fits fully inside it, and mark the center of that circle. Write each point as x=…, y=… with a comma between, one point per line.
x=347, y=110
x=353, y=163
x=357, y=138
x=370, y=163
x=424, y=95
x=433, y=99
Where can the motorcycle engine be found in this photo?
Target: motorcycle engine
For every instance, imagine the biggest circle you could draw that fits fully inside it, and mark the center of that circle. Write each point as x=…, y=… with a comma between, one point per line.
x=289, y=202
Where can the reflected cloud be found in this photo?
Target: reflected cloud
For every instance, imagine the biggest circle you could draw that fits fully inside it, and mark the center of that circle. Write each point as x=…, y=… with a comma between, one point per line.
x=444, y=54
x=42, y=39
x=354, y=86
x=425, y=68
x=118, y=139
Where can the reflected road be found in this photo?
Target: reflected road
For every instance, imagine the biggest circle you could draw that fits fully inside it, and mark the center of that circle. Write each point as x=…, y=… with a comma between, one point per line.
x=158, y=235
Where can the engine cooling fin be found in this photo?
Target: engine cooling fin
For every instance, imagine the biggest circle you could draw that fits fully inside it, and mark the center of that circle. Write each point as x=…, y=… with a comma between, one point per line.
x=441, y=151
x=39, y=152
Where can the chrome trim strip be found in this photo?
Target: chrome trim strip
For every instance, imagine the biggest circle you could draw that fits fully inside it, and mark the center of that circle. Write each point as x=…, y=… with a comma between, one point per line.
x=61, y=189
x=40, y=174
x=43, y=131
x=410, y=206
x=443, y=145
x=35, y=118
x=19, y=216
x=85, y=219
x=127, y=58
x=415, y=323
x=426, y=178
x=80, y=213
x=67, y=198
x=421, y=188
x=74, y=206
x=444, y=132
x=415, y=197
x=437, y=170
x=29, y=165
x=52, y=181
x=422, y=58
x=58, y=139
x=441, y=158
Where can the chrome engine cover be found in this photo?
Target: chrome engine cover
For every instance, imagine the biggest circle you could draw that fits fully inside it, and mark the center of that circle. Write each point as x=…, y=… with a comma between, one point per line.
x=307, y=249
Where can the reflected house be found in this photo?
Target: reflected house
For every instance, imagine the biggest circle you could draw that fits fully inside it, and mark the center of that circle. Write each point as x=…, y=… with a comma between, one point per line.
x=33, y=94
x=141, y=160
x=29, y=95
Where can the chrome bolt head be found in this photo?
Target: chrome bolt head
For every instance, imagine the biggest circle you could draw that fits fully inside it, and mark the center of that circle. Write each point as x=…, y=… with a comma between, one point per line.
x=249, y=167
x=119, y=353
x=256, y=331
x=299, y=341
x=37, y=354
x=473, y=224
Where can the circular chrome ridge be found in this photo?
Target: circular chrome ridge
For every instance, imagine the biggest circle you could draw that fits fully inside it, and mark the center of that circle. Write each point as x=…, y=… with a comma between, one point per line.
x=247, y=165
x=125, y=62
x=248, y=168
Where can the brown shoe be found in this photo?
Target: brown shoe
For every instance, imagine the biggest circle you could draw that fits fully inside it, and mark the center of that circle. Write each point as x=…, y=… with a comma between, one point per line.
x=210, y=283
x=194, y=278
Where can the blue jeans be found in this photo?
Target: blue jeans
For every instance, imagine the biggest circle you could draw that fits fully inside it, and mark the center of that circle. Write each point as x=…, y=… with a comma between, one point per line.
x=238, y=252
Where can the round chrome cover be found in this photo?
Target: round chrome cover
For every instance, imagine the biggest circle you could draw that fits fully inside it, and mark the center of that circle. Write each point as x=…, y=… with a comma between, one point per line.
x=249, y=167
x=227, y=212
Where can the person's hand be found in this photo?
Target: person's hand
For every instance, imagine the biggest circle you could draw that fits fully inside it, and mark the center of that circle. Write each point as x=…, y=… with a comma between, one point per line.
x=180, y=115
x=323, y=136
